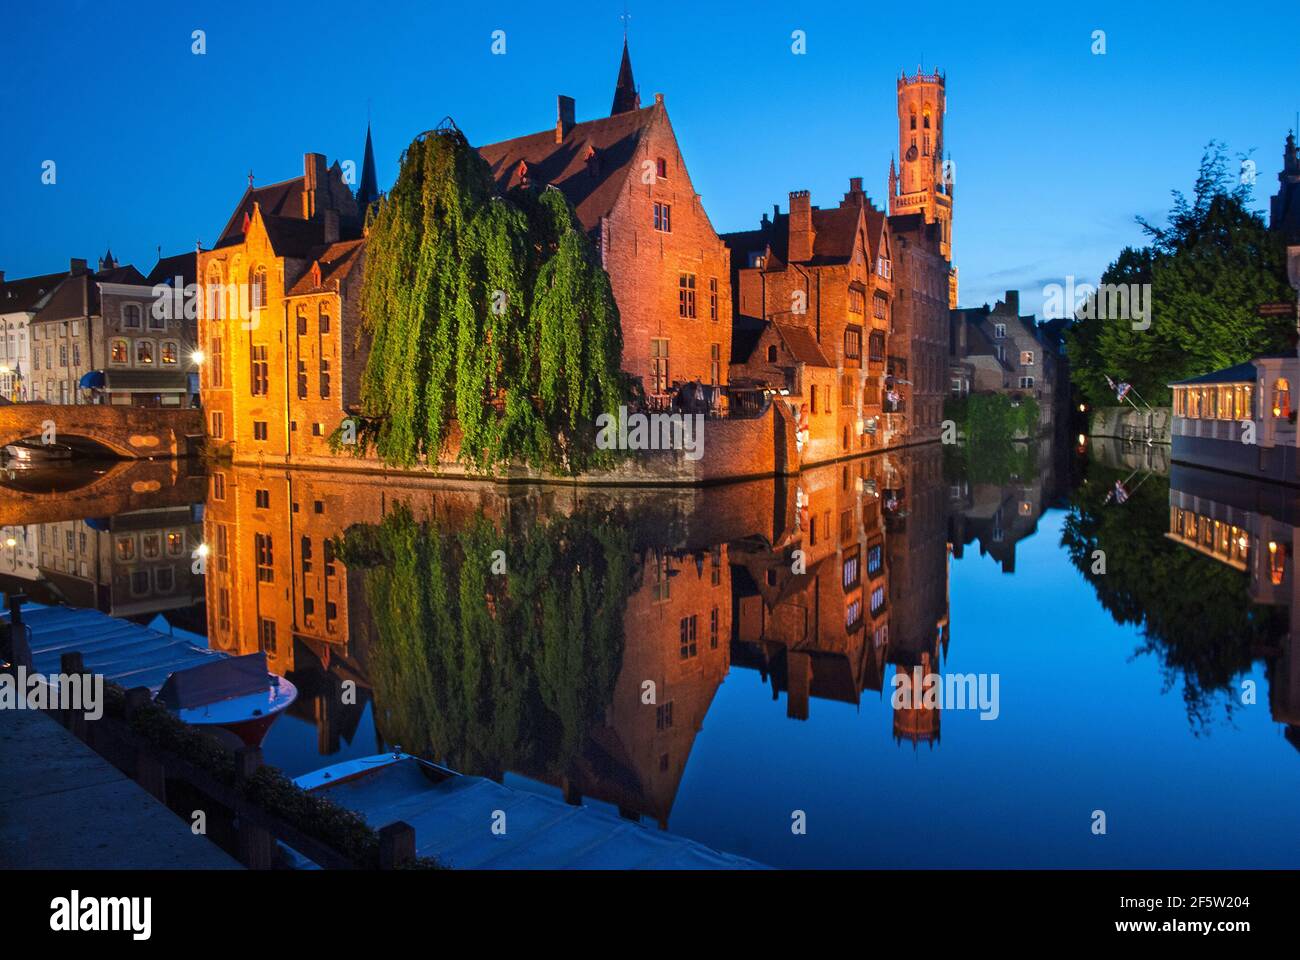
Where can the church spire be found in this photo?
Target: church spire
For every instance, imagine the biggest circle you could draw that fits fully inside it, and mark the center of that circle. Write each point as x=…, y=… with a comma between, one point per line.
x=368, y=189
x=626, y=98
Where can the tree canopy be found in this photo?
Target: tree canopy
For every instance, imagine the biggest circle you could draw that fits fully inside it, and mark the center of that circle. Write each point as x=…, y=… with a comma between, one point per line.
x=1209, y=268
x=486, y=312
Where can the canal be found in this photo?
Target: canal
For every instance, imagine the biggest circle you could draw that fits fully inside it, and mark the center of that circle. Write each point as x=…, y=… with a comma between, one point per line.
x=1118, y=685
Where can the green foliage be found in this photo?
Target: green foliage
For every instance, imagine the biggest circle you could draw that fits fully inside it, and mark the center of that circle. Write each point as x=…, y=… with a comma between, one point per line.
x=495, y=671
x=993, y=418
x=1210, y=268
x=1194, y=611
x=484, y=311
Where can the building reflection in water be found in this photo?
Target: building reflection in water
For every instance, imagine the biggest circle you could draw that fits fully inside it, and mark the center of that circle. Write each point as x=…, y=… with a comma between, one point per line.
x=1251, y=527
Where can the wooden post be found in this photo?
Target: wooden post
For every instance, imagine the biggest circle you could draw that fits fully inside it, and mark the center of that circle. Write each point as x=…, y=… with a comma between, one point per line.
x=70, y=665
x=396, y=845
x=255, y=845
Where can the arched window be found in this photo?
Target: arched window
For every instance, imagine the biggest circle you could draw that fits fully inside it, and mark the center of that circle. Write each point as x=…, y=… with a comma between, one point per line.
x=216, y=302
x=144, y=353
x=771, y=354
x=927, y=120
x=913, y=121
x=257, y=287
x=1282, y=398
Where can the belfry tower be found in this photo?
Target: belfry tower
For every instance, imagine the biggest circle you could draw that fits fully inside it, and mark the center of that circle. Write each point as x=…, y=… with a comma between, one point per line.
x=924, y=182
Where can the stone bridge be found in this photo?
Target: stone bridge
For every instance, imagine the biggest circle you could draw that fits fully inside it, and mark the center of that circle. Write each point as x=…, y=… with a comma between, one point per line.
x=130, y=433
x=125, y=486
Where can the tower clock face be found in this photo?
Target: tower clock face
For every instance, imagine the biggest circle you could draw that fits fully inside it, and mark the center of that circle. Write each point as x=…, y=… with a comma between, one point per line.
x=911, y=153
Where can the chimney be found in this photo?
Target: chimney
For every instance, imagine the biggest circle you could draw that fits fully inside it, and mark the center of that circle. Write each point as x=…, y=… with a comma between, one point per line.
x=313, y=182
x=76, y=266
x=331, y=226
x=1013, y=302
x=855, y=184
x=563, y=117
x=800, y=247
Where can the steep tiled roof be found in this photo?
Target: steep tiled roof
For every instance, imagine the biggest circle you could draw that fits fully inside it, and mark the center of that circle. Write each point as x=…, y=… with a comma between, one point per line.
x=275, y=199
x=801, y=344
x=590, y=166
x=28, y=293
x=336, y=263
x=184, y=265
x=834, y=234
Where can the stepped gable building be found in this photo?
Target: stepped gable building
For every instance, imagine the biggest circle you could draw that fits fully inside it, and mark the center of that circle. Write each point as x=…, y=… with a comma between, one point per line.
x=278, y=316
x=628, y=182
x=922, y=183
x=813, y=294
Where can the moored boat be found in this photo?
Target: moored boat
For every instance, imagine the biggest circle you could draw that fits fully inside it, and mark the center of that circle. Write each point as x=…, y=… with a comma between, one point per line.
x=476, y=823
x=203, y=687
x=22, y=453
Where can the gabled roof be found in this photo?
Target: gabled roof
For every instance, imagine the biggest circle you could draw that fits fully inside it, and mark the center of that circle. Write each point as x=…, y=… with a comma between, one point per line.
x=835, y=233
x=28, y=294
x=590, y=166
x=275, y=199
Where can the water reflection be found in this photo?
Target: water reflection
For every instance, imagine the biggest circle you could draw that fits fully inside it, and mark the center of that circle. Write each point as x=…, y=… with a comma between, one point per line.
x=582, y=638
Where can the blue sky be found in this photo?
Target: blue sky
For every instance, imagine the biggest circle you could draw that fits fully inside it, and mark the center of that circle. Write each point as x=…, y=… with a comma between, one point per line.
x=1056, y=148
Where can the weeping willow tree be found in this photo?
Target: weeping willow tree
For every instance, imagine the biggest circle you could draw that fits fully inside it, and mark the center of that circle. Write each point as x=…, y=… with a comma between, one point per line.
x=495, y=671
x=485, y=311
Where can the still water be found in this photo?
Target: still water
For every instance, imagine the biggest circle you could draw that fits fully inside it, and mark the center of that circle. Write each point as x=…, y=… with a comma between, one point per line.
x=722, y=663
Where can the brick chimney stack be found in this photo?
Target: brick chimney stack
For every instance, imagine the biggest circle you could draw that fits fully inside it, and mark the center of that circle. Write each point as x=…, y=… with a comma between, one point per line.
x=1013, y=302
x=801, y=230
x=564, y=112
x=315, y=185
x=76, y=265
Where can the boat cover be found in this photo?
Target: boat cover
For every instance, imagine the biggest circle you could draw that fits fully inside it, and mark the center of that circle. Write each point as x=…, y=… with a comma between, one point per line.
x=216, y=681
x=124, y=652
x=453, y=819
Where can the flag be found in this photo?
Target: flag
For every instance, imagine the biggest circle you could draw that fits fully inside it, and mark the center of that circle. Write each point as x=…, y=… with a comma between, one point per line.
x=1122, y=389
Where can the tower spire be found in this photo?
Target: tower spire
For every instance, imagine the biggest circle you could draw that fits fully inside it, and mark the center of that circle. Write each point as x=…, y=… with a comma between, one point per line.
x=368, y=188
x=626, y=98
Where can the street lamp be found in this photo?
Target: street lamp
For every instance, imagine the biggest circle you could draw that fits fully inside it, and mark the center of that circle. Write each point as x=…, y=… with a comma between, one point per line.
x=198, y=357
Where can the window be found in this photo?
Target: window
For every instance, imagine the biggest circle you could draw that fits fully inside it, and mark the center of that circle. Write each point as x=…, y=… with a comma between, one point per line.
x=853, y=343
x=877, y=600
x=308, y=607
x=664, y=716
x=688, y=646
x=875, y=560
x=157, y=322
x=1282, y=399
x=302, y=324
x=324, y=323
x=259, y=379
x=1026, y=358
x=150, y=546
x=76, y=354
x=1026, y=383
x=686, y=295
x=144, y=353
x=884, y=267
x=214, y=370
x=853, y=614
x=266, y=635
x=713, y=628
x=318, y=429
x=169, y=352
x=661, y=168
x=223, y=610
x=263, y=499
x=175, y=543
x=163, y=579
x=999, y=330
x=851, y=571
x=263, y=556
x=257, y=287
x=63, y=354
x=663, y=579
x=302, y=379
x=848, y=391
x=215, y=307
x=771, y=353
x=876, y=346
x=218, y=424
x=126, y=549
x=139, y=583
x=713, y=298
x=131, y=316
x=857, y=300
x=659, y=364
x=715, y=363
x=663, y=217
x=324, y=379
x=306, y=555
x=218, y=486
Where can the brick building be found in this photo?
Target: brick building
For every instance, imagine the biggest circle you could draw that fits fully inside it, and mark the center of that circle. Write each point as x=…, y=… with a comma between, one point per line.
x=918, y=356
x=996, y=350
x=278, y=316
x=813, y=304
x=627, y=180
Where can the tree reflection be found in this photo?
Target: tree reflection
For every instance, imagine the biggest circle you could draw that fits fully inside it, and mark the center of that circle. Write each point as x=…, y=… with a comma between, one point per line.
x=491, y=670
